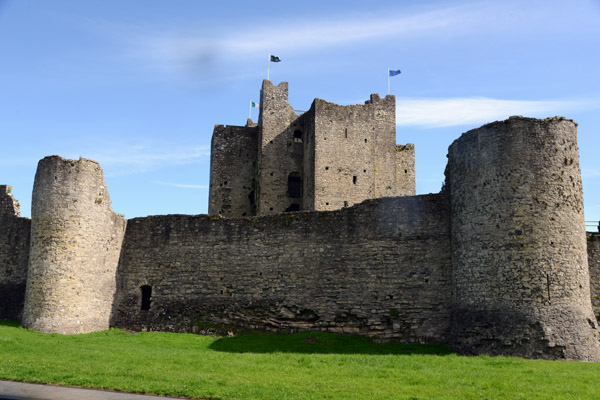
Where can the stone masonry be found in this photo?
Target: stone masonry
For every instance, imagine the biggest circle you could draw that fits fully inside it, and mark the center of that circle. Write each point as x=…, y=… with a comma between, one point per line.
x=380, y=269
x=496, y=263
x=75, y=244
x=14, y=255
x=521, y=277
x=328, y=158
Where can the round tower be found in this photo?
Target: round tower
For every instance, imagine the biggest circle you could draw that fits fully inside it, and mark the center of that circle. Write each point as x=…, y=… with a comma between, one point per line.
x=521, y=281
x=75, y=245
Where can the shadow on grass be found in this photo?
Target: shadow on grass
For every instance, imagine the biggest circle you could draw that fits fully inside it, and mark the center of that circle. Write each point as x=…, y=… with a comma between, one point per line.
x=320, y=343
x=13, y=324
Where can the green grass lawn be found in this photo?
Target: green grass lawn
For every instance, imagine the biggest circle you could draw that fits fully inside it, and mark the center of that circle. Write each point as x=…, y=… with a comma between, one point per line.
x=265, y=366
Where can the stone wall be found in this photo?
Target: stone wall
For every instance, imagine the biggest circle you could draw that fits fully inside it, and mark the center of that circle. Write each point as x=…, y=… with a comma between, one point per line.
x=355, y=155
x=521, y=282
x=593, y=252
x=381, y=268
x=14, y=256
x=279, y=154
x=405, y=170
x=308, y=177
x=75, y=243
x=233, y=159
x=8, y=204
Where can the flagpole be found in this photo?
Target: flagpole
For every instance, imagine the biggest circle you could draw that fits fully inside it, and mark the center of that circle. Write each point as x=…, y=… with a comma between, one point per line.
x=250, y=110
x=388, y=81
x=269, y=67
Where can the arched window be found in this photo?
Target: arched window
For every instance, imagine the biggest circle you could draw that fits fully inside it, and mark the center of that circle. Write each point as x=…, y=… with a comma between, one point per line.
x=294, y=185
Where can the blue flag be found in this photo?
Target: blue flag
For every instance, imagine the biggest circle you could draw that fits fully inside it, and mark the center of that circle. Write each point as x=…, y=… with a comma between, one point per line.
x=275, y=58
x=394, y=72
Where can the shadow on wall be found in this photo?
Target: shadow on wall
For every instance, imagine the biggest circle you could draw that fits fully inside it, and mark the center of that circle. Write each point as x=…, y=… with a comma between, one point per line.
x=320, y=343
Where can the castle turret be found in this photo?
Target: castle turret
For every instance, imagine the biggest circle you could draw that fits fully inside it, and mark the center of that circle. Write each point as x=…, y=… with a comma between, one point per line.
x=75, y=244
x=521, y=281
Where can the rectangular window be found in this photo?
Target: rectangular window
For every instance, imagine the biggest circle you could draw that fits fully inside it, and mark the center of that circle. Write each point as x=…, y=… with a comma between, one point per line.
x=146, y=297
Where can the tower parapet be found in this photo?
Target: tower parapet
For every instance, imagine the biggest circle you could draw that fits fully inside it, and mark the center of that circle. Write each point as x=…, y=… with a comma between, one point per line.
x=521, y=280
x=75, y=245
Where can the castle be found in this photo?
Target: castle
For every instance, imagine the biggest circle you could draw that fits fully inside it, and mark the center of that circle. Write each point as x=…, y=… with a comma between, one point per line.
x=314, y=224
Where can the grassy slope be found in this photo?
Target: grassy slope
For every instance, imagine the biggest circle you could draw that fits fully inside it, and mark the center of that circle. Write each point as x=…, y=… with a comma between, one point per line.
x=302, y=366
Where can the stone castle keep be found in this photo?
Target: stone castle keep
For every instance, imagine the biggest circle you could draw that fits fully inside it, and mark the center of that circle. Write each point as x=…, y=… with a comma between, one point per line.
x=314, y=224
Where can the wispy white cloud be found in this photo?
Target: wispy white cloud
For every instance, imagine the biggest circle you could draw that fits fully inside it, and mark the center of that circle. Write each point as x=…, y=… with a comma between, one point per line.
x=293, y=35
x=431, y=113
x=174, y=48
x=183, y=185
x=209, y=49
x=139, y=158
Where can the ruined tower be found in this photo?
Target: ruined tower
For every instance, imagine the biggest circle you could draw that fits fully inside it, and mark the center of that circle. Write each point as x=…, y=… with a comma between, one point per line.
x=521, y=282
x=14, y=255
x=75, y=244
x=326, y=158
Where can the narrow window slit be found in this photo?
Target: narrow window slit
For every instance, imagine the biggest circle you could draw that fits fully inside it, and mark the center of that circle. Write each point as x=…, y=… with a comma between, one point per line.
x=146, y=297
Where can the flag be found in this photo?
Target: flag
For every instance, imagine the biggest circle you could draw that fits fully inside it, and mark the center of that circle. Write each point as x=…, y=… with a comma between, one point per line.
x=274, y=58
x=254, y=105
x=394, y=72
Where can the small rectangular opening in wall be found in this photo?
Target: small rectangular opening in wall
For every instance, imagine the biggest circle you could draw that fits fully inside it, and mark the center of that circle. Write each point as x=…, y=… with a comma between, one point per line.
x=354, y=179
x=146, y=297
x=345, y=204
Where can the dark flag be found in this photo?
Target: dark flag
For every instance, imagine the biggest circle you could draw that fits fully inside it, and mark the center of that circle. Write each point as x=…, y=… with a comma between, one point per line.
x=275, y=58
x=393, y=72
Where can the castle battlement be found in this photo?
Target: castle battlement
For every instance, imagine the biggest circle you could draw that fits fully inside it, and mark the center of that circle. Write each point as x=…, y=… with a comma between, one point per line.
x=314, y=225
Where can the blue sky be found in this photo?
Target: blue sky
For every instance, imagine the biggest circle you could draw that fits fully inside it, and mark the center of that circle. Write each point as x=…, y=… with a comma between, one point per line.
x=138, y=85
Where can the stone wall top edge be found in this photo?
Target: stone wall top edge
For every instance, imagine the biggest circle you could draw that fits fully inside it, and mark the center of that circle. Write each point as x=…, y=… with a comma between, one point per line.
x=375, y=98
x=390, y=201
x=405, y=147
x=468, y=135
x=222, y=127
x=281, y=85
x=14, y=217
x=228, y=132
x=389, y=99
x=67, y=160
